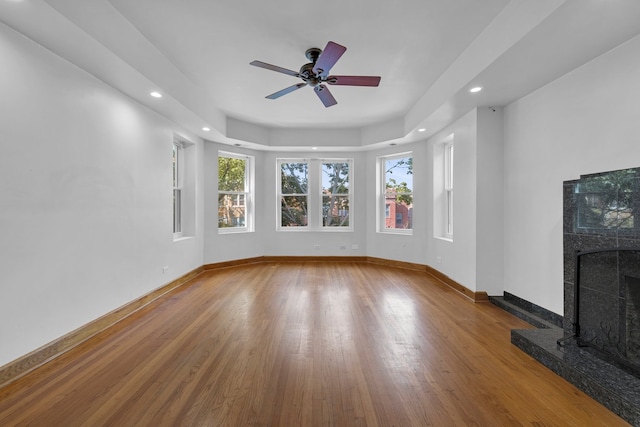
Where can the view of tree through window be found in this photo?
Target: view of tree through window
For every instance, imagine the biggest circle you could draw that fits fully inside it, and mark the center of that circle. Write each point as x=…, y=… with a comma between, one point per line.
x=335, y=194
x=232, y=191
x=606, y=200
x=294, y=194
x=398, y=192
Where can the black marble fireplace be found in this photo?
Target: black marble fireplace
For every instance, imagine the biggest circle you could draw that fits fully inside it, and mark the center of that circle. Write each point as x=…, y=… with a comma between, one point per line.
x=598, y=223
x=596, y=344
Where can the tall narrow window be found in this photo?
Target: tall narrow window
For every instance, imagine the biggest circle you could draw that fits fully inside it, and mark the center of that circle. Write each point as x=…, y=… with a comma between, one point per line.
x=235, y=207
x=396, y=192
x=336, y=194
x=294, y=193
x=443, y=174
x=448, y=188
x=178, y=162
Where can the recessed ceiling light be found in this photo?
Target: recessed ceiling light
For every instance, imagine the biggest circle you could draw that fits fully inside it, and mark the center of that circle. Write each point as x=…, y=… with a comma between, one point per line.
x=206, y=129
x=421, y=130
x=314, y=148
x=475, y=89
x=156, y=94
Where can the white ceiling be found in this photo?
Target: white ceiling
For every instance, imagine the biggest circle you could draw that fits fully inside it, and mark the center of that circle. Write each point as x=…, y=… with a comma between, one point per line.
x=428, y=53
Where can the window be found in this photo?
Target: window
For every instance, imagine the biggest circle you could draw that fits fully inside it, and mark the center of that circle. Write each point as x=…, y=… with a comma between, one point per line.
x=396, y=193
x=178, y=162
x=448, y=189
x=235, y=181
x=443, y=189
x=314, y=194
x=336, y=197
x=294, y=194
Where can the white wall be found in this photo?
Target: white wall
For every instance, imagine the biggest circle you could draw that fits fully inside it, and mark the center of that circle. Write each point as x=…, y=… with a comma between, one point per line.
x=233, y=246
x=457, y=258
x=400, y=247
x=85, y=190
x=585, y=122
x=490, y=201
x=303, y=243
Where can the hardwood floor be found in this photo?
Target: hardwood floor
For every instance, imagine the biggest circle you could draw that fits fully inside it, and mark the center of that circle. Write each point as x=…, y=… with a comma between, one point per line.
x=303, y=344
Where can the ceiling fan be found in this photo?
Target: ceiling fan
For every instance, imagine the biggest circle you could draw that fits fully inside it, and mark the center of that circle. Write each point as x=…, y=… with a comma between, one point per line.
x=316, y=74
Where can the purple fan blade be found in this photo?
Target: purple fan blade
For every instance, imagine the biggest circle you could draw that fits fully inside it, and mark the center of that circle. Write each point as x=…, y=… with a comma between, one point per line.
x=325, y=96
x=274, y=68
x=328, y=58
x=354, y=80
x=285, y=91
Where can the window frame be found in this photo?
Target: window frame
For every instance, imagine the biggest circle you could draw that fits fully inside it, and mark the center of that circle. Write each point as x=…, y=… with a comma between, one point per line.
x=315, y=196
x=384, y=210
x=248, y=194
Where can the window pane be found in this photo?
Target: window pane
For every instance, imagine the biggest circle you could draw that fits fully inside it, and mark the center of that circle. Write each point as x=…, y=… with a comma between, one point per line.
x=399, y=213
x=231, y=174
x=398, y=175
x=231, y=210
x=335, y=178
x=294, y=211
x=335, y=211
x=294, y=178
x=177, y=223
x=175, y=165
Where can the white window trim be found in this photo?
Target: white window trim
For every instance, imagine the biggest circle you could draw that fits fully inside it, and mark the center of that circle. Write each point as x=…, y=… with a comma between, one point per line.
x=382, y=193
x=314, y=196
x=249, y=183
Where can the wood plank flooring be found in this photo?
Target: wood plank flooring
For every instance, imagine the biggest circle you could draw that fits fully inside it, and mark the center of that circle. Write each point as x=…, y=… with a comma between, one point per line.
x=303, y=344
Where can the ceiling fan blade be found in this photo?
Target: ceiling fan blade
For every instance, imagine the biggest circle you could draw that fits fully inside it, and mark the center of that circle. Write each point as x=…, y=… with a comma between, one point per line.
x=328, y=58
x=274, y=68
x=325, y=96
x=285, y=91
x=354, y=80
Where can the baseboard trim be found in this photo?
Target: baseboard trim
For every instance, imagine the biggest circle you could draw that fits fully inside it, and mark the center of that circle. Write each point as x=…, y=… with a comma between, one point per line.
x=31, y=361
x=481, y=296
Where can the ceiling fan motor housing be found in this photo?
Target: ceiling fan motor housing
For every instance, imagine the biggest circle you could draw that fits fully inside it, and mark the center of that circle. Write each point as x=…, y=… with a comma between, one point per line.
x=309, y=77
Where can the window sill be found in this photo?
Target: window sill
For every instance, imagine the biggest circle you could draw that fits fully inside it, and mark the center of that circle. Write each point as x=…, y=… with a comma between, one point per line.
x=445, y=239
x=397, y=231
x=232, y=230
x=181, y=238
x=315, y=230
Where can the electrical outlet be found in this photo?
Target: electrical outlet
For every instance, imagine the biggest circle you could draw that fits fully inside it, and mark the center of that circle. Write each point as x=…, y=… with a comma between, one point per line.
x=164, y=269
